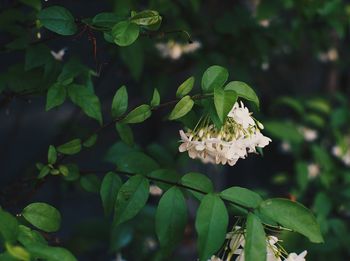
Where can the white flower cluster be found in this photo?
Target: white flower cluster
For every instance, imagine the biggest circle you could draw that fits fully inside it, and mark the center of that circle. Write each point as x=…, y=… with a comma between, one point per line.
x=239, y=135
x=343, y=153
x=274, y=252
x=174, y=50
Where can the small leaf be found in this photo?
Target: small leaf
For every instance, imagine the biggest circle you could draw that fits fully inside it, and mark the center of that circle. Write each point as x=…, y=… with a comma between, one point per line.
x=90, y=183
x=224, y=101
x=242, y=196
x=58, y=19
x=125, y=133
x=86, y=100
x=197, y=181
x=211, y=225
x=146, y=18
x=56, y=95
x=125, y=33
x=139, y=114
x=243, y=90
x=70, y=148
x=42, y=216
x=171, y=218
x=8, y=226
x=44, y=252
x=90, y=141
x=183, y=107
x=215, y=76
x=44, y=171
x=155, y=98
x=52, y=155
x=63, y=170
x=110, y=186
x=120, y=102
x=255, y=244
x=73, y=172
x=131, y=198
x=185, y=87
x=294, y=216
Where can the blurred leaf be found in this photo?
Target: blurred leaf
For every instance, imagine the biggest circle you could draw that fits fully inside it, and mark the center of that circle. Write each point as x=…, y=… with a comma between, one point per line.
x=224, y=101
x=155, y=98
x=50, y=253
x=242, y=196
x=185, y=87
x=120, y=102
x=70, y=148
x=125, y=33
x=73, y=172
x=110, y=186
x=139, y=114
x=52, y=155
x=214, y=77
x=133, y=57
x=105, y=19
x=211, y=225
x=183, y=107
x=36, y=56
x=18, y=252
x=171, y=219
x=125, y=133
x=56, y=95
x=322, y=204
x=91, y=141
x=58, y=19
x=131, y=198
x=90, y=183
x=291, y=103
x=292, y=215
x=301, y=168
x=42, y=216
x=244, y=91
x=8, y=226
x=285, y=131
x=255, y=240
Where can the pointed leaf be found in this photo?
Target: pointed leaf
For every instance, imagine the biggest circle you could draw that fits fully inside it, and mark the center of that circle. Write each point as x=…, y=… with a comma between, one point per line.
x=185, y=87
x=139, y=114
x=242, y=196
x=224, y=101
x=56, y=95
x=255, y=244
x=125, y=33
x=120, y=102
x=243, y=90
x=110, y=186
x=183, y=107
x=215, y=76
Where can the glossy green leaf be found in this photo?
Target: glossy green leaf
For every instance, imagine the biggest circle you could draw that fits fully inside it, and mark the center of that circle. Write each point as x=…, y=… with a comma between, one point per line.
x=70, y=148
x=183, y=107
x=294, y=216
x=86, y=100
x=197, y=181
x=214, y=77
x=42, y=216
x=58, y=19
x=56, y=95
x=244, y=91
x=211, y=225
x=255, y=239
x=110, y=186
x=146, y=18
x=8, y=226
x=185, y=87
x=27, y=236
x=125, y=133
x=136, y=162
x=242, y=196
x=52, y=155
x=171, y=218
x=224, y=101
x=155, y=98
x=139, y=114
x=125, y=33
x=131, y=198
x=120, y=102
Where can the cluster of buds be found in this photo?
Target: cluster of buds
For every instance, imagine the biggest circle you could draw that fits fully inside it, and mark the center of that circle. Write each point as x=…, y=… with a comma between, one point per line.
x=239, y=135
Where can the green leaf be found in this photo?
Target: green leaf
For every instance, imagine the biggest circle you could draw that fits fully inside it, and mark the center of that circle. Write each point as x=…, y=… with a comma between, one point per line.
x=185, y=87
x=36, y=56
x=284, y=130
x=164, y=174
x=294, y=216
x=8, y=226
x=155, y=98
x=211, y=225
x=105, y=19
x=243, y=90
x=224, y=101
x=52, y=155
x=86, y=100
x=125, y=133
x=183, y=107
x=73, y=172
x=42, y=216
x=18, y=252
x=197, y=181
x=146, y=18
x=90, y=183
x=71, y=147
x=36, y=4
x=139, y=114
x=242, y=196
x=136, y=162
x=255, y=244
x=44, y=171
x=90, y=141
x=110, y=186
x=71, y=70
x=50, y=253
x=58, y=19
x=120, y=102
x=56, y=95
x=131, y=198
x=215, y=76
x=171, y=218
x=133, y=57
x=125, y=33
x=27, y=236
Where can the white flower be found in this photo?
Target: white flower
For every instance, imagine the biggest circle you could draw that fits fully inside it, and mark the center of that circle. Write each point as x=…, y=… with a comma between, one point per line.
x=285, y=146
x=59, y=55
x=295, y=257
x=241, y=115
x=154, y=190
x=341, y=154
x=174, y=50
x=313, y=170
x=309, y=134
